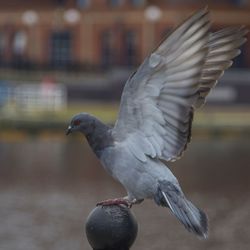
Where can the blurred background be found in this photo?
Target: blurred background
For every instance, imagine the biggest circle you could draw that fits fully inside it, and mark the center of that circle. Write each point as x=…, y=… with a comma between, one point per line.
x=61, y=57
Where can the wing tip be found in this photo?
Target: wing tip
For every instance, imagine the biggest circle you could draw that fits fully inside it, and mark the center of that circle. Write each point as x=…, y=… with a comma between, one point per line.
x=200, y=13
x=204, y=225
x=203, y=10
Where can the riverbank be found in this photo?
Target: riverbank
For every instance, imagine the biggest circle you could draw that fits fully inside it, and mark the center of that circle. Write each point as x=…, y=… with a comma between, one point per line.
x=209, y=121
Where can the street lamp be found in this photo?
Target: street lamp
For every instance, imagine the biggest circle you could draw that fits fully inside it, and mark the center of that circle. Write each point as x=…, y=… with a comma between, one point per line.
x=72, y=16
x=153, y=13
x=30, y=17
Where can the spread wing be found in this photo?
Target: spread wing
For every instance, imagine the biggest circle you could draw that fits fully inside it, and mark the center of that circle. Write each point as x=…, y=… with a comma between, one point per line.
x=159, y=99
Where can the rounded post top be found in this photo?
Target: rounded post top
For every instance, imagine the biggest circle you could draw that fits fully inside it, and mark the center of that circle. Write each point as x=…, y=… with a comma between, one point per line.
x=111, y=227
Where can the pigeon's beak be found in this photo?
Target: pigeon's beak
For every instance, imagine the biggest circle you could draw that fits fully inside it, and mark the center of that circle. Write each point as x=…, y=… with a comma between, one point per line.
x=68, y=130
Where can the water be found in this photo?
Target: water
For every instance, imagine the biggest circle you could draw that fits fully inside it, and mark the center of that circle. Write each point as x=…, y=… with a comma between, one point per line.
x=48, y=188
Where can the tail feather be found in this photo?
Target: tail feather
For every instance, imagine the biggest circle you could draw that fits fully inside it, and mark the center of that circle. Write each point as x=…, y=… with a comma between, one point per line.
x=194, y=219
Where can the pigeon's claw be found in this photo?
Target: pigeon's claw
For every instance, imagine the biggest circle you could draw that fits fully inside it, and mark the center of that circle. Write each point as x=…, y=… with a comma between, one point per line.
x=118, y=201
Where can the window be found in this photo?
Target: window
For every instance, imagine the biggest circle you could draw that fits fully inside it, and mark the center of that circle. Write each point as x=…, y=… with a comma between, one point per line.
x=60, y=49
x=19, y=43
x=137, y=3
x=107, y=48
x=114, y=3
x=241, y=61
x=2, y=46
x=239, y=2
x=83, y=3
x=60, y=2
x=130, y=48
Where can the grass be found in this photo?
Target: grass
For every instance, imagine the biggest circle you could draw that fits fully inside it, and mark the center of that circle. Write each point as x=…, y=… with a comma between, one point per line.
x=105, y=111
x=206, y=121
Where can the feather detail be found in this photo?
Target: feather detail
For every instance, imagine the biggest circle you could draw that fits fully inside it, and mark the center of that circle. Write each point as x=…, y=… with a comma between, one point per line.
x=159, y=99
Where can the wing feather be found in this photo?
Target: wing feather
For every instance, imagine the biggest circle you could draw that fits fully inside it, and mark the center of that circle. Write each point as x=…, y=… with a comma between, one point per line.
x=158, y=100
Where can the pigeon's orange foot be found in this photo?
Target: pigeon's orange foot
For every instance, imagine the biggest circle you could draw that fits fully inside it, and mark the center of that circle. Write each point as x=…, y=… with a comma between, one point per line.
x=119, y=201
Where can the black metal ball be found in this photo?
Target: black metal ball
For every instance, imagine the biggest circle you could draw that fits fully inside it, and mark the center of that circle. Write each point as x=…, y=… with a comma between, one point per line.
x=111, y=228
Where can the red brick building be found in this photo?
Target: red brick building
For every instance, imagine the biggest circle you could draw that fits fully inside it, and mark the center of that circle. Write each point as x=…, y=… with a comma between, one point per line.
x=77, y=33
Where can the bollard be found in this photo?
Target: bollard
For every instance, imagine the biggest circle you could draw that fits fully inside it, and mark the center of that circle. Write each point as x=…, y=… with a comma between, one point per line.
x=111, y=227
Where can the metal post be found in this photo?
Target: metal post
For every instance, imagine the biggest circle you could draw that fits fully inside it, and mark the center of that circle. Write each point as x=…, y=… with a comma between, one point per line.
x=111, y=228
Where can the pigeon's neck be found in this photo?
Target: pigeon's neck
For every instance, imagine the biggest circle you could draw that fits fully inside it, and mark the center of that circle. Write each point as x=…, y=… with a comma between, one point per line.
x=99, y=137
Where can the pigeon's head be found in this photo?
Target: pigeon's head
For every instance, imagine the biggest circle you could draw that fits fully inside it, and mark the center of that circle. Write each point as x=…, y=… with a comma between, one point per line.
x=82, y=122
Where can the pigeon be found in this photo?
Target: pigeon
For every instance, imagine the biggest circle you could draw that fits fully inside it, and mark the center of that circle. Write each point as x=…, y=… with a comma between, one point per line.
x=156, y=112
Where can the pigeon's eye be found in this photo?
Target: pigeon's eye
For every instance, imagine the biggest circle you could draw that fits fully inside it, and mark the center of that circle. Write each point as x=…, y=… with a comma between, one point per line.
x=76, y=122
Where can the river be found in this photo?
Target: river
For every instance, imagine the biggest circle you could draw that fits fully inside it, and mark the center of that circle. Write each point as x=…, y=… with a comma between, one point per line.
x=49, y=186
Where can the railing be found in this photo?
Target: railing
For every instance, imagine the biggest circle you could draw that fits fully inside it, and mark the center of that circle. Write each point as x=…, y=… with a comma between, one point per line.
x=32, y=97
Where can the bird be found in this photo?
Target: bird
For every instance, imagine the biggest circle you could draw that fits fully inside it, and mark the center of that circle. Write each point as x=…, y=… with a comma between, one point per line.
x=154, y=121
